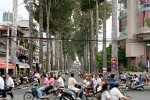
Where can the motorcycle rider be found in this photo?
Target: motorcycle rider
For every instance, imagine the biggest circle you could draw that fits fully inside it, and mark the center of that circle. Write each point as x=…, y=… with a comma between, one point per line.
x=71, y=85
x=44, y=81
x=105, y=92
x=37, y=76
x=116, y=94
x=60, y=81
x=111, y=81
x=9, y=83
x=50, y=83
x=2, y=87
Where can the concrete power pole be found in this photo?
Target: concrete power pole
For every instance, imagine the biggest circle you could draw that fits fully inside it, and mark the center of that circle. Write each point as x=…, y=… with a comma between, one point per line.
x=104, y=40
x=14, y=35
x=30, y=33
x=41, y=32
x=114, y=31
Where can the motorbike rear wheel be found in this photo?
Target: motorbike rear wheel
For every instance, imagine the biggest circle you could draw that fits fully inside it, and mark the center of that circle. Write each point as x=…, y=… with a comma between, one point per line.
x=66, y=97
x=90, y=96
x=28, y=96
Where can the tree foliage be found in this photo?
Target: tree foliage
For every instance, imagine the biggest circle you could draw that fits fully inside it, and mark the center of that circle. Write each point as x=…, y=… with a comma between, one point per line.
x=121, y=57
x=70, y=18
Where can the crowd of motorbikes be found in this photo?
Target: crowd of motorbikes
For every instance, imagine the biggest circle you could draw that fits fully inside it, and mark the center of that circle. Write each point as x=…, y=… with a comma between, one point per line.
x=57, y=93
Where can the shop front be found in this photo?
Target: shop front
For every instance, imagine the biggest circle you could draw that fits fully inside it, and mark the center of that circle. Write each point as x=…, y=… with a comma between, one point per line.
x=11, y=67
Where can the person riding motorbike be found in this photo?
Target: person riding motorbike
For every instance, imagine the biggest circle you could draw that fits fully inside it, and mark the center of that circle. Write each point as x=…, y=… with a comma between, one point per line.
x=44, y=82
x=60, y=81
x=37, y=76
x=9, y=83
x=2, y=87
x=71, y=85
x=116, y=94
x=50, y=83
x=111, y=81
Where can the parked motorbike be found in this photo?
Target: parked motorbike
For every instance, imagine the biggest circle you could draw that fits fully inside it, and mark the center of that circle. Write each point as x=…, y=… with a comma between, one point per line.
x=72, y=95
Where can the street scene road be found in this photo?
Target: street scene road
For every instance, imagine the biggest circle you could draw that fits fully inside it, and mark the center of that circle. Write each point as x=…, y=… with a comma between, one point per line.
x=97, y=38
x=135, y=95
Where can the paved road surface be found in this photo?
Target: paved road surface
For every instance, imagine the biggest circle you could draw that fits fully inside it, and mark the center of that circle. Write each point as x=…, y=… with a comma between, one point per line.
x=136, y=95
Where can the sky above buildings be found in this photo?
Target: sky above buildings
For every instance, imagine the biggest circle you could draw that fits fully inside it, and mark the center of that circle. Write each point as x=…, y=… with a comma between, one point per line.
x=7, y=5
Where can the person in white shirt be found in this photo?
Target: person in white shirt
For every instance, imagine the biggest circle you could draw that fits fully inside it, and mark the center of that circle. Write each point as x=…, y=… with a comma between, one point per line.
x=71, y=85
x=105, y=94
x=98, y=83
x=2, y=86
x=116, y=94
x=9, y=84
x=60, y=81
x=37, y=76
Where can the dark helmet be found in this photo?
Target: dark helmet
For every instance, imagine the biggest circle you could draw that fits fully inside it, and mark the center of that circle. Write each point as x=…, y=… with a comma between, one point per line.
x=116, y=84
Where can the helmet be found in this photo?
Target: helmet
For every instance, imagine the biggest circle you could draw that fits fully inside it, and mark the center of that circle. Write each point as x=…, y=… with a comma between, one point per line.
x=116, y=84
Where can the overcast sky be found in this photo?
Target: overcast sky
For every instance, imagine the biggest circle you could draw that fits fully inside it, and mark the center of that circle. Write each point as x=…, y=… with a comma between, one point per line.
x=7, y=5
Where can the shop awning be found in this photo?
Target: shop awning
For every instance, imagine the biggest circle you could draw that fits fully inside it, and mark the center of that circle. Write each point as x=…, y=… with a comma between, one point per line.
x=24, y=65
x=3, y=65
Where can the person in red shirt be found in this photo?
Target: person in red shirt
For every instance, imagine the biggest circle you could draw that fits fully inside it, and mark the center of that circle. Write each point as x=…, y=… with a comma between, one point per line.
x=50, y=83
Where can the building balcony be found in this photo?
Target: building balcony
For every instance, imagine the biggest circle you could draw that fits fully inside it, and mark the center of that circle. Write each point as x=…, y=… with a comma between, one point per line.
x=144, y=32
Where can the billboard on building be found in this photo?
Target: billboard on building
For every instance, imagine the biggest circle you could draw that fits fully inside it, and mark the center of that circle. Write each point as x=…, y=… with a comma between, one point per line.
x=5, y=16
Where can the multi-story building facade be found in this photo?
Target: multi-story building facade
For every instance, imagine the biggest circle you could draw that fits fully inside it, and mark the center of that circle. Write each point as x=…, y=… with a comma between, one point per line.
x=134, y=32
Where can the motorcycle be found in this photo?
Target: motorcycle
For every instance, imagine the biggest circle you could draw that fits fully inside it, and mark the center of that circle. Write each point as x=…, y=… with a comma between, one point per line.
x=138, y=87
x=9, y=96
x=32, y=93
x=72, y=95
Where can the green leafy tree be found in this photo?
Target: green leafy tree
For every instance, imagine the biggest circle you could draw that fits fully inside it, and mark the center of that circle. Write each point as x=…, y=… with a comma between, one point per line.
x=121, y=57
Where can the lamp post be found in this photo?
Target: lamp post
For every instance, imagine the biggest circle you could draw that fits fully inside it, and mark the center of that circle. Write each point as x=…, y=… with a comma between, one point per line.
x=7, y=51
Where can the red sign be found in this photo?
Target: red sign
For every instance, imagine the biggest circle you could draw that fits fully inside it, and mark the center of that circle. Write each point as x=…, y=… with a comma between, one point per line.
x=113, y=60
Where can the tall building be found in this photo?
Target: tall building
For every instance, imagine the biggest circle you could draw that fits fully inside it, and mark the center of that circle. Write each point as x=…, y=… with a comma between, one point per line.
x=134, y=32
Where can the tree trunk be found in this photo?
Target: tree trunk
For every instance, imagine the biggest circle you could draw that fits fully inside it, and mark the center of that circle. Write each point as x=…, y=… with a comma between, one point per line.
x=97, y=31
x=114, y=33
x=41, y=32
x=57, y=52
x=97, y=26
x=14, y=35
x=92, y=47
x=104, y=40
x=48, y=4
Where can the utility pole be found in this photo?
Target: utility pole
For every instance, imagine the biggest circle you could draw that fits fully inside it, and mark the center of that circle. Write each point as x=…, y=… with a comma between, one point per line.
x=41, y=32
x=30, y=33
x=14, y=35
x=114, y=33
x=7, y=52
x=104, y=40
